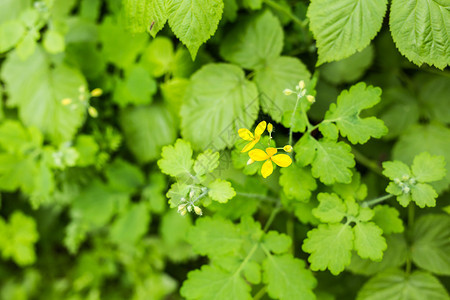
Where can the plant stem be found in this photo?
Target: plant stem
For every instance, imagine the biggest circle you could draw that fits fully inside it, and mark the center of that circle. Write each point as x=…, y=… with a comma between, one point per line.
x=290, y=232
x=411, y=214
x=282, y=9
x=368, y=163
x=272, y=216
x=376, y=200
x=260, y=293
x=292, y=120
x=258, y=196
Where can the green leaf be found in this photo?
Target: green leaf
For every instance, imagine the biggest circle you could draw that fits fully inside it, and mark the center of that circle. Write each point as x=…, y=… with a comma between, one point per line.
x=297, y=182
x=123, y=176
x=432, y=138
x=10, y=34
x=387, y=218
x=332, y=162
x=350, y=69
x=396, y=170
x=11, y=9
x=346, y=114
x=420, y=30
x=219, y=102
x=273, y=77
x=214, y=237
x=287, y=278
x=254, y=41
x=431, y=244
x=206, y=162
x=87, y=148
x=54, y=42
x=276, y=242
x=131, y=225
x=331, y=208
x=221, y=190
x=212, y=283
x=427, y=168
x=143, y=15
x=159, y=56
x=369, y=242
x=146, y=130
x=397, y=285
x=343, y=27
x=318, y=244
x=252, y=272
x=17, y=238
x=194, y=21
x=40, y=103
x=177, y=159
x=424, y=195
x=394, y=256
x=433, y=99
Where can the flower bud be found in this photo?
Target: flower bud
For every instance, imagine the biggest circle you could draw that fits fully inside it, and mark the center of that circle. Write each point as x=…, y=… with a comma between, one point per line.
x=198, y=210
x=92, y=112
x=181, y=207
x=250, y=161
x=96, y=92
x=301, y=84
x=288, y=92
x=191, y=193
x=66, y=101
x=311, y=98
x=288, y=148
x=270, y=128
x=183, y=212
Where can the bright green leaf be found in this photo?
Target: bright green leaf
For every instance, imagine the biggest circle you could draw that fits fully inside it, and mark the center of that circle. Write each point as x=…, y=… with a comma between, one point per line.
x=221, y=190
x=206, y=162
x=369, y=242
x=147, y=15
x=331, y=208
x=177, y=159
x=387, y=218
x=276, y=242
x=297, y=182
x=427, y=168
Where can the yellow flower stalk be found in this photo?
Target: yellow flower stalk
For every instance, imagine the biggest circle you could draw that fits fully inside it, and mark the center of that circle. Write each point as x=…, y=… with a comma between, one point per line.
x=281, y=160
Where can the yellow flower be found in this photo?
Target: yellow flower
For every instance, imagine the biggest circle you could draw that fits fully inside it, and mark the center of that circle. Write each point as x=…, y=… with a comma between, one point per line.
x=248, y=136
x=281, y=160
x=287, y=148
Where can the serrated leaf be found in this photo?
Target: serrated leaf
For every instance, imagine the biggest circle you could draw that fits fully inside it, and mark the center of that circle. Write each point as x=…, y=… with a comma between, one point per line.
x=397, y=285
x=176, y=159
x=395, y=170
x=206, y=162
x=333, y=162
x=434, y=139
x=346, y=114
x=275, y=76
x=423, y=195
x=219, y=102
x=221, y=190
x=420, y=30
x=369, y=242
x=147, y=129
x=343, y=27
x=143, y=15
x=254, y=42
x=318, y=244
x=431, y=244
x=427, y=168
x=297, y=182
x=276, y=242
x=212, y=283
x=40, y=103
x=387, y=218
x=214, y=237
x=331, y=208
x=394, y=256
x=194, y=21
x=252, y=272
x=287, y=278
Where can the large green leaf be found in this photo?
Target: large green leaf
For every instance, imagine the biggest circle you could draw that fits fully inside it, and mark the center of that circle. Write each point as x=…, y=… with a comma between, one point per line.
x=343, y=27
x=421, y=30
x=254, y=41
x=147, y=15
x=194, y=21
x=219, y=102
x=397, y=285
x=146, y=130
x=37, y=88
x=276, y=75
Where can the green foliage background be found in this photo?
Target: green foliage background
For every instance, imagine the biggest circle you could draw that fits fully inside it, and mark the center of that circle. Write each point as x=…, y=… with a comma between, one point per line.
x=91, y=182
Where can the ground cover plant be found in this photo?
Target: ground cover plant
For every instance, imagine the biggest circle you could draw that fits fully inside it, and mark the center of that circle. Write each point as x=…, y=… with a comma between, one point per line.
x=224, y=149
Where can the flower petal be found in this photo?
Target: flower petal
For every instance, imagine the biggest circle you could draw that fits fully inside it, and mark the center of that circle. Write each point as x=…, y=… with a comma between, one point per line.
x=258, y=155
x=282, y=160
x=260, y=128
x=249, y=146
x=245, y=134
x=267, y=168
x=271, y=151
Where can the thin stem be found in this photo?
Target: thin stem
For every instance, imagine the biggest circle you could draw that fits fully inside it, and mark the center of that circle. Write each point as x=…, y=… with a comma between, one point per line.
x=282, y=9
x=290, y=231
x=257, y=196
x=246, y=259
x=292, y=120
x=368, y=163
x=272, y=216
x=260, y=293
x=411, y=214
x=376, y=200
